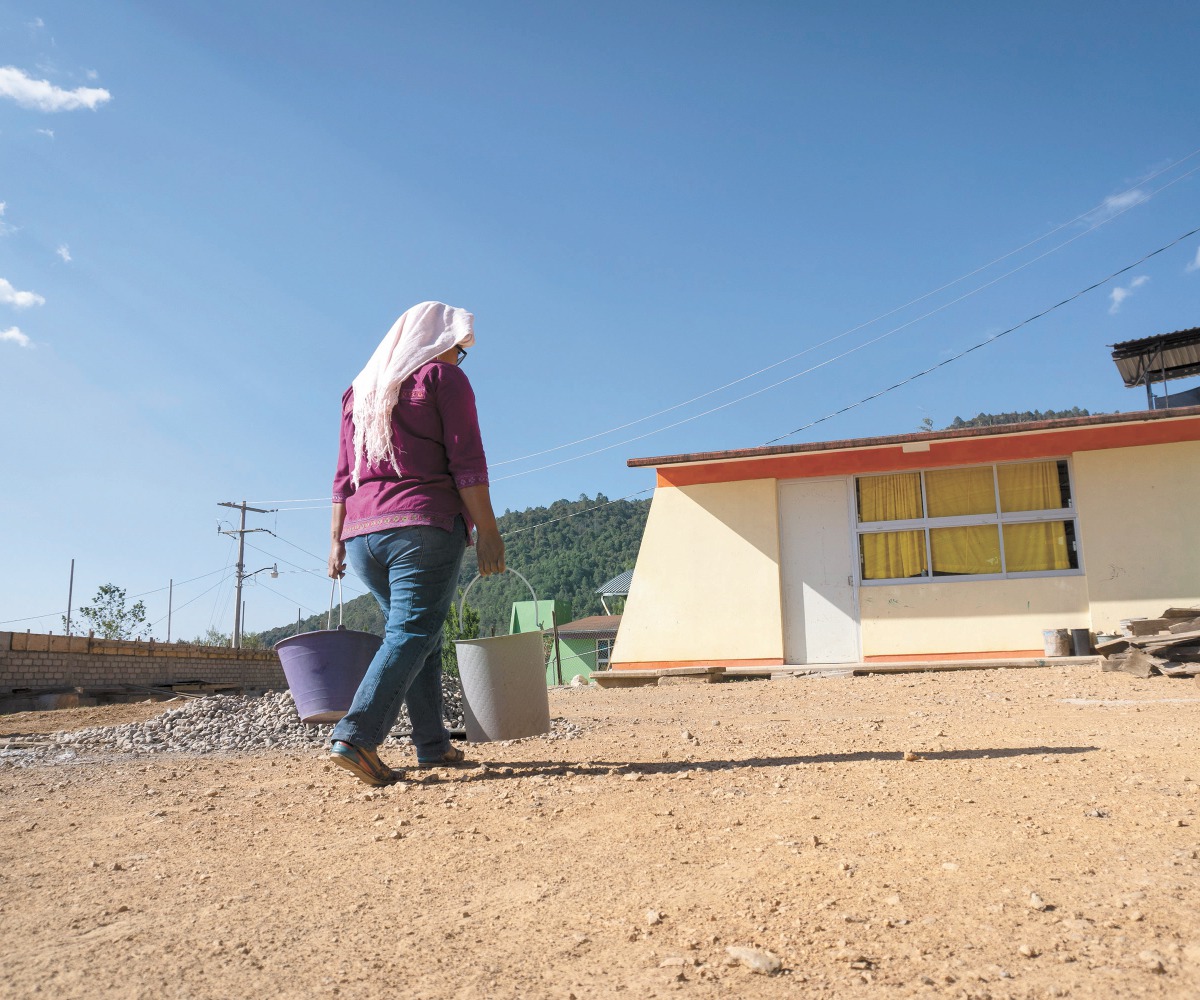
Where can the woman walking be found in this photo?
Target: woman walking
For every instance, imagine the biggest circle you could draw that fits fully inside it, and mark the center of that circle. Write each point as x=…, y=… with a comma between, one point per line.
x=411, y=482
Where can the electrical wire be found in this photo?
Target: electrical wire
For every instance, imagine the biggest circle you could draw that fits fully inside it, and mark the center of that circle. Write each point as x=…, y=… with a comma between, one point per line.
x=1090, y=213
x=192, y=601
x=822, y=364
x=990, y=340
x=145, y=593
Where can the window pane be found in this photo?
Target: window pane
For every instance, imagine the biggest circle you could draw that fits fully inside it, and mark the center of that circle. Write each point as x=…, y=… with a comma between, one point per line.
x=970, y=550
x=954, y=492
x=889, y=498
x=1034, y=486
x=893, y=555
x=1040, y=545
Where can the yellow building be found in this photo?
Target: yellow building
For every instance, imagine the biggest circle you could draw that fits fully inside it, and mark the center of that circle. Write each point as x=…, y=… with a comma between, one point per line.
x=955, y=543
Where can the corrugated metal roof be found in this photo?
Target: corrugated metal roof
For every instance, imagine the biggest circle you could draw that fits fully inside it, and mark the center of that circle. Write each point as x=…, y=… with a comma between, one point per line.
x=1158, y=359
x=618, y=586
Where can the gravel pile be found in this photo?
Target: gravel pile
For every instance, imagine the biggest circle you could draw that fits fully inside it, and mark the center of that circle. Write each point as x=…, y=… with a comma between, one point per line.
x=229, y=724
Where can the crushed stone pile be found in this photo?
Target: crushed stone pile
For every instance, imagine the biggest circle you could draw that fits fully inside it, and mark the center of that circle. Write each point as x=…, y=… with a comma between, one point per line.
x=229, y=724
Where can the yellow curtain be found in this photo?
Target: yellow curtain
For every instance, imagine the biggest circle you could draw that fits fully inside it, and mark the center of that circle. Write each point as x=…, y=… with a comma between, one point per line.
x=955, y=492
x=969, y=550
x=1039, y=545
x=1029, y=486
x=893, y=555
x=889, y=498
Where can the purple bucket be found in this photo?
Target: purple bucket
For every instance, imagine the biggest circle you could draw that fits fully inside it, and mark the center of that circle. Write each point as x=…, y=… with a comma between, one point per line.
x=324, y=668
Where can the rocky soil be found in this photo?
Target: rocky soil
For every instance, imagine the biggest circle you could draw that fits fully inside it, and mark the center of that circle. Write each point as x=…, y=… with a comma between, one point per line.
x=983, y=834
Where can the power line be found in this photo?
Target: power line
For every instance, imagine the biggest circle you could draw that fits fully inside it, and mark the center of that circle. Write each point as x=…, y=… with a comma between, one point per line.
x=989, y=340
x=145, y=593
x=193, y=600
x=1090, y=213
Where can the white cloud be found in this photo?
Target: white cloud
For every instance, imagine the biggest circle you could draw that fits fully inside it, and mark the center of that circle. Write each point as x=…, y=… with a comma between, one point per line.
x=49, y=132
x=41, y=95
x=1115, y=204
x=1126, y=199
x=14, y=336
x=36, y=23
x=1119, y=295
x=21, y=300
x=64, y=252
x=5, y=228
x=1193, y=265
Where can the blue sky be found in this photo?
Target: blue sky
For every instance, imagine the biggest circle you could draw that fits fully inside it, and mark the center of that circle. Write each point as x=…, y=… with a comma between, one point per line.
x=213, y=212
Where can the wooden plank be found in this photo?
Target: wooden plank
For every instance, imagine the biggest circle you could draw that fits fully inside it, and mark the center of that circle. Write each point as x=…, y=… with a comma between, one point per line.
x=1181, y=613
x=1139, y=664
x=1187, y=625
x=1170, y=639
x=1118, y=645
x=1148, y=626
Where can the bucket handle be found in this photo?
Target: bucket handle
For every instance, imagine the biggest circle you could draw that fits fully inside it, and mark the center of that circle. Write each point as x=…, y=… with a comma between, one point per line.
x=341, y=603
x=462, y=603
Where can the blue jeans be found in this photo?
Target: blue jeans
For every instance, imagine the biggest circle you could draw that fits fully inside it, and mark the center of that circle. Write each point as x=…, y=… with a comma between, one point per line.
x=412, y=572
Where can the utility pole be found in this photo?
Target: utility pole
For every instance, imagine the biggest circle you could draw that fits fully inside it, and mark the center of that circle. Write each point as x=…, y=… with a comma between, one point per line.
x=70, y=596
x=241, y=533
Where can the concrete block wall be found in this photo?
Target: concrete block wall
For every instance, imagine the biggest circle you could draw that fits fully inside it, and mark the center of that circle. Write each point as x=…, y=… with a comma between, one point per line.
x=34, y=662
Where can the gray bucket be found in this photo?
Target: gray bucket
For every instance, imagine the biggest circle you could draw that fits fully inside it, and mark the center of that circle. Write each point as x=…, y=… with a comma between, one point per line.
x=1057, y=641
x=503, y=683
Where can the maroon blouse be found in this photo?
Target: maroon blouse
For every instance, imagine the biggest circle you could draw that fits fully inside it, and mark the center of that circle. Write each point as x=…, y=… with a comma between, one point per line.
x=435, y=430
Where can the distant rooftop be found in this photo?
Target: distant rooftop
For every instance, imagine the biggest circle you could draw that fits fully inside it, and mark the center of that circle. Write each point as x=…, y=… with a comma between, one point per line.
x=618, y=586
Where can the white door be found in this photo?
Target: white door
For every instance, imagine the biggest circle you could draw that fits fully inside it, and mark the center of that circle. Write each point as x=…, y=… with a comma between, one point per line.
x=820, y=607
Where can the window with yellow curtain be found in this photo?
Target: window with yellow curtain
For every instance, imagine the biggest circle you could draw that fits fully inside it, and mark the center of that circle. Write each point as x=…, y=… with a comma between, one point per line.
x=1029, y=486
x=955, y=492
x=893, y=555
x=969, y=550
x=890, y=498
x=955, y=528
x=1035, y=546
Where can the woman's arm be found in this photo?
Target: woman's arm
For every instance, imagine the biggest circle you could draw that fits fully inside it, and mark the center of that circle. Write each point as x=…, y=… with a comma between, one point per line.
x=489, y=546
x=337, y=548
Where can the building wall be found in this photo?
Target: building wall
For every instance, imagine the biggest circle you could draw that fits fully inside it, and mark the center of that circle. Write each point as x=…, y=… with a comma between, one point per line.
x=30, y=662
x=707, y=587
x=1140, y=537
x=578, y=657
x=980, y=616
x=707, y=582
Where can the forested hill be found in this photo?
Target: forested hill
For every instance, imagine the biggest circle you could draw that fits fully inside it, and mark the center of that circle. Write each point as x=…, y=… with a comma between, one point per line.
x=1015, y=417
x=565, y=550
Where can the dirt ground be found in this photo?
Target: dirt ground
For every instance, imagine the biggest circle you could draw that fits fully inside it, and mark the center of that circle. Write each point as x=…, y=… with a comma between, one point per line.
x=999, y=833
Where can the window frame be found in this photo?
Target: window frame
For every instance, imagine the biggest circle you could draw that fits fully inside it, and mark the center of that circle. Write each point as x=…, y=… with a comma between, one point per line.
x=999, y=518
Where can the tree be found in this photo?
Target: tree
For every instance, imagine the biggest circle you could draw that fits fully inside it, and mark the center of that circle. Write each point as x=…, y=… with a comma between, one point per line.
x=468, y=628
x=108, y=617
x=213, y=637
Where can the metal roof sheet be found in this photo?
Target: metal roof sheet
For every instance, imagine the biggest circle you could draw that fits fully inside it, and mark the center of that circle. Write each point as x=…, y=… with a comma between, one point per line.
x=618, y=586
x=1159, y=358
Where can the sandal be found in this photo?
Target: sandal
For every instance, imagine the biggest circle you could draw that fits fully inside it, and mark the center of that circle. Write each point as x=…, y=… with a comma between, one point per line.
x=362, y=763
x=451, y=758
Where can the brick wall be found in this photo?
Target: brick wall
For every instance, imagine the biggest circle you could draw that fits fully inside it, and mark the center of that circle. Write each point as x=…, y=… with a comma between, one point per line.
x=44, y=662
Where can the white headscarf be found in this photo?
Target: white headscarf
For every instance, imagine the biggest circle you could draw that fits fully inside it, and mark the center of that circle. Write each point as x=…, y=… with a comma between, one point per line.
x=417, y=337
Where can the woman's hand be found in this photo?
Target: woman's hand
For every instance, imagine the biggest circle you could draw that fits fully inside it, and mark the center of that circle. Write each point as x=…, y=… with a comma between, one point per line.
x=337, y=559
x=489, y=549
x=337, y=548
x=489, y=546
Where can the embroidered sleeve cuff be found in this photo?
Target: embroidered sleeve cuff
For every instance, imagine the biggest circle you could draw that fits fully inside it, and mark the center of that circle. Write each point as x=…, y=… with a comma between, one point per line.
x=471, y=479
x=338, y=498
